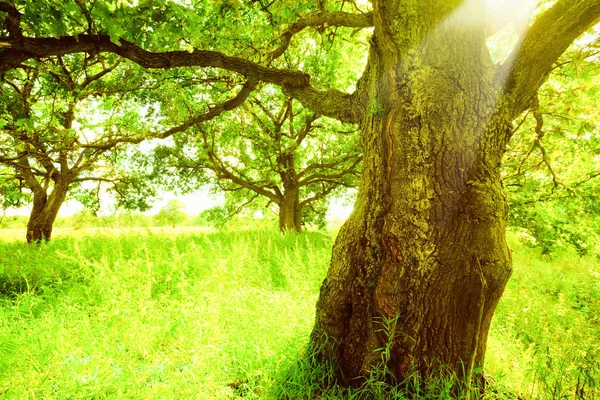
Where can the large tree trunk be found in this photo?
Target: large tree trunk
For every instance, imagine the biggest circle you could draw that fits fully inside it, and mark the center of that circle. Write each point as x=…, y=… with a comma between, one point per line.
x=290, y=212
x=44, y=211
x=424, y=252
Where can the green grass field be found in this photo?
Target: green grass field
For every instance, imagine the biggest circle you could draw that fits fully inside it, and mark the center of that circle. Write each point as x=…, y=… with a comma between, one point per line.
x=215, y=315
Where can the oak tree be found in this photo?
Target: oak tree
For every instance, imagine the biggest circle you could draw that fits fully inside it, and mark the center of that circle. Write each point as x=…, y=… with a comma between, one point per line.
x=269, y=149
x=43, y=143
x=67, y=120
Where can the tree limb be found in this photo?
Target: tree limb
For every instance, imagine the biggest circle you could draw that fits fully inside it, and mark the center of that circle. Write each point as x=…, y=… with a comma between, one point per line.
x=212, y=113
x=545, y=41
x=223, y=172
x=332, y=103
x=326, y=166
x=321, y=195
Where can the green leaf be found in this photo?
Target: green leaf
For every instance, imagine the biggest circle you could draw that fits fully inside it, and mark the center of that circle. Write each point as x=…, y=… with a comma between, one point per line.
x=21, y=122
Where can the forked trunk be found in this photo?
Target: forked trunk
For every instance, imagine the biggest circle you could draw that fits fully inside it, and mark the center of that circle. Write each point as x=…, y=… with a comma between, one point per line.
x=290, y=212
x=422, y=262
x=44, y=212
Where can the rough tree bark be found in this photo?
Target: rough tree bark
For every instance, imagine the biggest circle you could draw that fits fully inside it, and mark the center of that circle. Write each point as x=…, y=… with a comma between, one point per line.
x=290, y=212
x=424, y=251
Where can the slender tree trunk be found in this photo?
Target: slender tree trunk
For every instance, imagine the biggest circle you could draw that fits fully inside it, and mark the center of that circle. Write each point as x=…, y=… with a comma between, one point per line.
x=44, y=211
x=422, y=262
x=290, y=212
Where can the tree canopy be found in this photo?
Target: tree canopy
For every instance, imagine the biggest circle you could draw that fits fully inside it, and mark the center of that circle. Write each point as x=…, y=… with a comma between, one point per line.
x=50, y=140
x=550, y=169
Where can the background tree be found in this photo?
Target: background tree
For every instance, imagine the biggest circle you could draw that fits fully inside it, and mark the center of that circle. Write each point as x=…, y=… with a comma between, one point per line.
x=68, y=121
x=425, y=246
x=172, y=214
x=270, y=148
x=43, y=138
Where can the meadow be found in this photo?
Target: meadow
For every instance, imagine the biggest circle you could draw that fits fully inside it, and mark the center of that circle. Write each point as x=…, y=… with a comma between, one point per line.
x=188, y=314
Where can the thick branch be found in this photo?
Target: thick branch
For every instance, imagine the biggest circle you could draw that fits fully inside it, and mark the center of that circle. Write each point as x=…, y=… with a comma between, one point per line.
x=328, y=166
x=218, y=167
x=321, y=195
x=331, y=103
x=25, y=169
x=546, y=40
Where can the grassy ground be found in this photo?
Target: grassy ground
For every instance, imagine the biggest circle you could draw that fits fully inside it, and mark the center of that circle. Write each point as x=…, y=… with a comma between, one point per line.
x=209, y=315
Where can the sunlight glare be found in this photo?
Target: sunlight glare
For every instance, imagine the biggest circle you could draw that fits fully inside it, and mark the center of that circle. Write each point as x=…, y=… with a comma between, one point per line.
x=501, y=13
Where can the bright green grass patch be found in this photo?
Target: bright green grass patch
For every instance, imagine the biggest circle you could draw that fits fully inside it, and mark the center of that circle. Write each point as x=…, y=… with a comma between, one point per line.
x=157, y=316
x=227, y=315
x=545, y=336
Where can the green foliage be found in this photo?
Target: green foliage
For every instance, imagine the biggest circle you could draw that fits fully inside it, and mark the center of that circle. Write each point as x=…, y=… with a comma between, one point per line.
x=11, y=190
x=88, y=105
x=551, y=167
x=552, y=226
x=216, y=216
x=69, y=118
x=83, y=219
x=316, y=215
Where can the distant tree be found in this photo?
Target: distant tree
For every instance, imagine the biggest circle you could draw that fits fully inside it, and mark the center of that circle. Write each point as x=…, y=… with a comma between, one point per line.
x=51, y=141
x=44, y=142
x=171, y=214
x=270, y=148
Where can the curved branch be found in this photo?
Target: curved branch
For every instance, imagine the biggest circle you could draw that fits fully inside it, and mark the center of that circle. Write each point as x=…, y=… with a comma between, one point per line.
x=218, y=167
x=331, y=103
x=545, y=41
x=356, y=159
x=321, y=195
x=213, y=112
